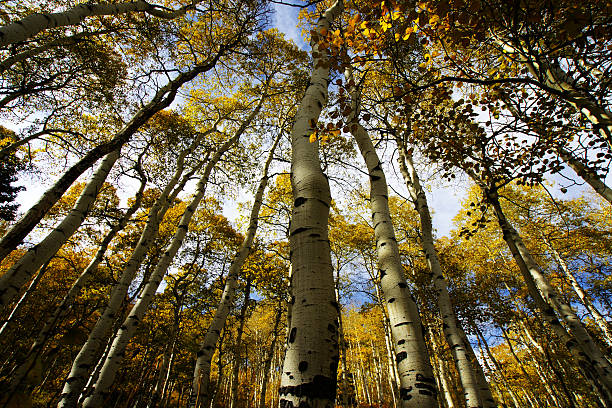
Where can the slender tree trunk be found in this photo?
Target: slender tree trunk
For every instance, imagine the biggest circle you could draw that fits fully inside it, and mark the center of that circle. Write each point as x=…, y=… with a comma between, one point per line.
x=236, y=370
x=38, y=22
x=22, y=270
x=128, y=329
x=582, y=295
x=440, y=370
x=418, y=387
x=498, y=367
x=589, y=176
x=269, y=357
x=200, y=394
x=64, y=307
x=589, y=357
x=22, y=300
x=85, y=359
x=453, y=332
x=556, y=81
x=311, y=379
x=162, y=99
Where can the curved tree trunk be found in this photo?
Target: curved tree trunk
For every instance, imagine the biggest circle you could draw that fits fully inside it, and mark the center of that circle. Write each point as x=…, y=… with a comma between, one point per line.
x=64, y=307
x=417, y=383
x=475, y=395
x=590, y=177
x=554, y=78
x=85, y=360
x=311, y=379
x=31, y=261
x=582, y=295
x=588, y=356
x=162, y=99
x=200, y=393
x=37, y=22
x=128, y=329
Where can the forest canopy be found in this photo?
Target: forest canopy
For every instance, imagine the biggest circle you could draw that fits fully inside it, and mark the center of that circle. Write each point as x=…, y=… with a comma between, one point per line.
x=195, y=211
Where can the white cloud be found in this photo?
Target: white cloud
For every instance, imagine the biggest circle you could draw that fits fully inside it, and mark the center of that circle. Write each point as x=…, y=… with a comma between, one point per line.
x=285, y=19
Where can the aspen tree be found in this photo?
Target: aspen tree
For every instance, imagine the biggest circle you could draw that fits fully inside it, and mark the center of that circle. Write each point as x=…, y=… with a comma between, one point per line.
x=127, y=330
x=85, y=360
x=582, y=295
x=162, y=99
x=555, y=80
x=35, y=23
x=238, y=345
x=581, y=169
x=64, y=307
x=453, y=331
x=200, y=393
x=22, y=270
x=417, y=383
x=309, y=373
x=589, y=357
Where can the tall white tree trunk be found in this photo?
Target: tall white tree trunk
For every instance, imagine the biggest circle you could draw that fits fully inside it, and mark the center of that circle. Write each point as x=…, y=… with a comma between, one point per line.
x=582, y=295
x=37, y=22
x=64, y=307
x=12, y=281
x=128, y=329
x=200, y=393
x=85, y=360
x=162, y=99
x=589, y=357
x=590, y=177
x=475, y=396
x=309, y=374
x=417, y=383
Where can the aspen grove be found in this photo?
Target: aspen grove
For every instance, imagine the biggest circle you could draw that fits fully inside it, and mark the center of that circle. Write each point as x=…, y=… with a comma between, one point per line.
x=306, y=204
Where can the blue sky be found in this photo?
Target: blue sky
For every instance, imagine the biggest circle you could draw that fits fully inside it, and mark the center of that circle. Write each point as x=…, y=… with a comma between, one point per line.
x=285, y=19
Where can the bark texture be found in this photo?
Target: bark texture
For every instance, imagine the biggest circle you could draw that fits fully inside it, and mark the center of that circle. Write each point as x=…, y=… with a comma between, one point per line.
x=588, y=356
x=38, y=22
x=12, y=281
x=162, y=99
x=200, y=392
x=128, y=329
x=417, y=383
x=475, y=395
x=64, y=307
x=85, y=360
x=311, y=360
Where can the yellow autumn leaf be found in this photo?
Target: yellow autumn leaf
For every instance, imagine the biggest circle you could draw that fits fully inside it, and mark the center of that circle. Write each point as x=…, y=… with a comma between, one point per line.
x=313, y=137
x=409, y=30
x=434, y=19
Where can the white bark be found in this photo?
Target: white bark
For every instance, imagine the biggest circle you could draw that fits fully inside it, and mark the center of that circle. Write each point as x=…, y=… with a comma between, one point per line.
x=200, y=393
x=475, y=396
x=128, y=329
x=12, y=281
x=584, y=298
x=84, y=361
x=309, y=374
x=417, y=383
x=552, y=76
x=590, y=177
x=38, y=22
x=64, y=307
x=162, y=99
x=589, y=357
